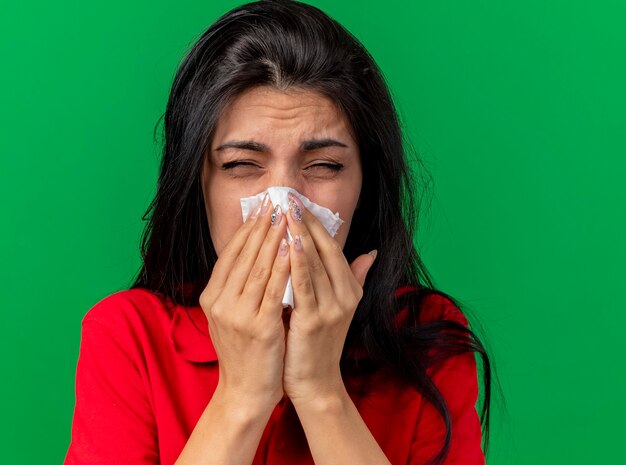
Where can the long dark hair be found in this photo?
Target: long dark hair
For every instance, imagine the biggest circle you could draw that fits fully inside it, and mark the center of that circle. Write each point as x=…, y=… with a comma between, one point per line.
x=285, y=44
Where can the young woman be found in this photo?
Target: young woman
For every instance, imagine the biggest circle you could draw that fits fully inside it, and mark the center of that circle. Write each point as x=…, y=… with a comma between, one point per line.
x=198, y=362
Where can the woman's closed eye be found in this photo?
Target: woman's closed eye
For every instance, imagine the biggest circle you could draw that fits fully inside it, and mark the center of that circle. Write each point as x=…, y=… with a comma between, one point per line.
x=233, y=164
x=331, y=166
x=326, y=166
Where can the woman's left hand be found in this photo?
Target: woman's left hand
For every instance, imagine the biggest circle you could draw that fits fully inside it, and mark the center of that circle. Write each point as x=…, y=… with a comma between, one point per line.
x=327, y=291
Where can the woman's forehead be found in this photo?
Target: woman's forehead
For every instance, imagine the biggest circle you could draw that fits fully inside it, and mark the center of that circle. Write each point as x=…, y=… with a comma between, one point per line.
x=281, y=99
x=267, y=115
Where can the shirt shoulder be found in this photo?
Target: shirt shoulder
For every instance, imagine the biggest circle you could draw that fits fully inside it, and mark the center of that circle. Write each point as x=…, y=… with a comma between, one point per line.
x=128, y=307
x=434, y=307
x=141, y=317
x=439, y=307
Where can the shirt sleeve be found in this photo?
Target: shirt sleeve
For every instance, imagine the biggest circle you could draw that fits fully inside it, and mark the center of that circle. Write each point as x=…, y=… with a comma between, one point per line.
x=457, y=380
x=113, y=421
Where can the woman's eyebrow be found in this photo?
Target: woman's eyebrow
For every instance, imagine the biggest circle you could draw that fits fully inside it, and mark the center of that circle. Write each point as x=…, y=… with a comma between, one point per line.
x=306, y=146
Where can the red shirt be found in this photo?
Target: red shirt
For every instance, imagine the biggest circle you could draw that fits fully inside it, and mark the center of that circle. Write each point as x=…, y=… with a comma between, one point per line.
x=147, y=370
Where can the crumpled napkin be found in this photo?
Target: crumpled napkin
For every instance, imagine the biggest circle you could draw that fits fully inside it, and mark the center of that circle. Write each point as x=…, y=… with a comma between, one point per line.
x=278, y=196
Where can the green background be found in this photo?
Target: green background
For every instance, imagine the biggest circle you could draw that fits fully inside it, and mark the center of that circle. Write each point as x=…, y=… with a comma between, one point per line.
x=516, y=107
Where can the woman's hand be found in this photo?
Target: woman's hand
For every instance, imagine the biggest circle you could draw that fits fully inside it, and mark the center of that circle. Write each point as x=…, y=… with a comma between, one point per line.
x=243, y=305
x=326, y=293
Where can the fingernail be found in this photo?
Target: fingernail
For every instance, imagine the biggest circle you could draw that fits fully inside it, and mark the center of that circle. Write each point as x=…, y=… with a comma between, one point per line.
x=297, y=242
x=295, y=205
x=296, y=213
x=277, y=215
x=284, y=247
x=373, y=253
x=266, y=203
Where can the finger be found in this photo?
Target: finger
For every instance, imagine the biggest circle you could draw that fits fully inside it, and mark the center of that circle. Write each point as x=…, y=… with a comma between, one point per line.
x=259, y=275
x=271, y=304
x=244, y=262
x=230, y=252
x=320, y=283
x=329, y=268
x=303, y=290
x=361, y=265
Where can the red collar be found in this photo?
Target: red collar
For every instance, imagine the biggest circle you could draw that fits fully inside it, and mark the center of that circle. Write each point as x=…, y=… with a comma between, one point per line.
x=189, y=332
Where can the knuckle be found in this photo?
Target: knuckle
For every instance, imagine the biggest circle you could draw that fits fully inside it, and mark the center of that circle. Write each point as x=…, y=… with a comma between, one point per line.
x=347, y=302
x=273, y=294
x=316, y=265
x=281, y=265
x=204, y=300
x=352, y=301
x=259, y=273
x=313, y=326
x=233, y=321
x=217, y=310
x=305, y=286
x=333, y=318
x=239, y=326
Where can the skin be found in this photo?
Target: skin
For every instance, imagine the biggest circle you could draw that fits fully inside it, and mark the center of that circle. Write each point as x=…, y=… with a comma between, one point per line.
x=260, y=358
x=280, y=120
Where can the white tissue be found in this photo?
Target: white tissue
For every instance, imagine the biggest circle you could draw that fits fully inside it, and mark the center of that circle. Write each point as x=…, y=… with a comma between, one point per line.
x=278, y=196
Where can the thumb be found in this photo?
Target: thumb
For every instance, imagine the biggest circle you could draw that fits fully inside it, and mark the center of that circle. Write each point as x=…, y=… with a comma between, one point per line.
x=362, y=264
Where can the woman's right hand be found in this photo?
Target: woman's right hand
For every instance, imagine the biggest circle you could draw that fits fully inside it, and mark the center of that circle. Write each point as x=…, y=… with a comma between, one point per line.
x=243, y=305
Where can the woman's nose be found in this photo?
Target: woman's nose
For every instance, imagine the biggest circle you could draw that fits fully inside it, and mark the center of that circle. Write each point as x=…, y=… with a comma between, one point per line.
x=287, y=177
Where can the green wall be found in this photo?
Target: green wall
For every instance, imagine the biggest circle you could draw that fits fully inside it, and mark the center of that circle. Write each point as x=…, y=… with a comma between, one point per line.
x=516, y=107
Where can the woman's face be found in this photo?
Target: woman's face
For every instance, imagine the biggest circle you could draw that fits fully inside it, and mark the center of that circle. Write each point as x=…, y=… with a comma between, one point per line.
x=267, y=138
